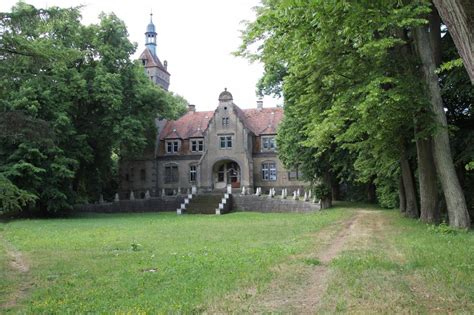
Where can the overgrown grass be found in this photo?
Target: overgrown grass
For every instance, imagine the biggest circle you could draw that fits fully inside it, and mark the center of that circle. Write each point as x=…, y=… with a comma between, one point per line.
x=406, y=267
x=131, y=263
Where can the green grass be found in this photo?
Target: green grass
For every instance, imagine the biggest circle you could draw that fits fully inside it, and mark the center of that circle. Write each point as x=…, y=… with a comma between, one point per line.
x=157, y=263
x=151, y=262
x=407, y=267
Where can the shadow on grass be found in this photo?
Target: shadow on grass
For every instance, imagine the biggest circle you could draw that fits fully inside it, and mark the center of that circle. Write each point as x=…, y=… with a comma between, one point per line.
x=358, y=205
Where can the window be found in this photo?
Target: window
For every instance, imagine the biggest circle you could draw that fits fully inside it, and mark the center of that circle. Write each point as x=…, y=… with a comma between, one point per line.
x=143, y=175
x=226, y=142
x=171, y=174
x=192, y=173
x=269, y=171
x=225, y=122
x=268, y=144
x=294, y=174
x=172, y=146
x=197, y=145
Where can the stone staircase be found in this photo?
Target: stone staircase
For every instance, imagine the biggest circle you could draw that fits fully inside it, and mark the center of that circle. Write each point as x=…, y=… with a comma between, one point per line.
x=203, y=204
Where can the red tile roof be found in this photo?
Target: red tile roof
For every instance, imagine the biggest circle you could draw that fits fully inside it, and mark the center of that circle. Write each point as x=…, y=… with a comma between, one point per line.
x=193, y=124
x=190, y=125
x=262, y=121
x=152, y=61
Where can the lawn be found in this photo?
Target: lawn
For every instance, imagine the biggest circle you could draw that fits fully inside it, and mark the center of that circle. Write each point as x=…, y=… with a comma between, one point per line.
x=239, y=262
x=403, y=266
x=153, y=262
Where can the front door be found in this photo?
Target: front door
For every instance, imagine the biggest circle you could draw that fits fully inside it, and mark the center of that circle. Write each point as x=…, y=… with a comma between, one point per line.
x=233, y=178
x=228, y=173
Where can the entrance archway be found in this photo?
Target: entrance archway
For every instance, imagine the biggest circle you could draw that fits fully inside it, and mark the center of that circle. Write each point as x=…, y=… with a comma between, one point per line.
x=226, y=172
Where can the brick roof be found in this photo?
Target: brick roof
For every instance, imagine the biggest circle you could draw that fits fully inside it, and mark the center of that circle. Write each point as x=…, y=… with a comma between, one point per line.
x=190, y=125
x=262, y=121
x=193, y=124
x=152, y=60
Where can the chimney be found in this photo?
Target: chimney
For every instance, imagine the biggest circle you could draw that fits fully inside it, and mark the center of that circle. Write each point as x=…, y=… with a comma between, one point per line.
x=191, y=108
x=260, y=103
x=165, y=64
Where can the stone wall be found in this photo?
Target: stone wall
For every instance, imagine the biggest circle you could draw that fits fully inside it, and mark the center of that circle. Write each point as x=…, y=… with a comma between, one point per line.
x=141, y=205
x=265, y=204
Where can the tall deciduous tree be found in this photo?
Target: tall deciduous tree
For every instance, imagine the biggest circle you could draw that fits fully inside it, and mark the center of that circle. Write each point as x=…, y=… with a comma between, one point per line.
x=453, y=193
x=458, y=15
x=78, y=84
x=351, y=80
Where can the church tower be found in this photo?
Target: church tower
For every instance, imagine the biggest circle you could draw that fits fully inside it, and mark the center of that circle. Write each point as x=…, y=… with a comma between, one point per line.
x=155, y=70
x=150, y=36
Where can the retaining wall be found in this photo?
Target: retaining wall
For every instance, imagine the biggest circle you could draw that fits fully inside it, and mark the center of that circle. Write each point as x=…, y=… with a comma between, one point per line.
x=264, y=204
x=160, y=204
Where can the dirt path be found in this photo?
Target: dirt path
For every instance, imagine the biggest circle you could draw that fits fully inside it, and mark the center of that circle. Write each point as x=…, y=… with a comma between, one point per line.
x=299, y=289
x=20, y=269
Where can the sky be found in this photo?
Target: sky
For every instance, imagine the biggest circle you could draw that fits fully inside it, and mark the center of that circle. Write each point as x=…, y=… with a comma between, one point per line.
x=196, y=37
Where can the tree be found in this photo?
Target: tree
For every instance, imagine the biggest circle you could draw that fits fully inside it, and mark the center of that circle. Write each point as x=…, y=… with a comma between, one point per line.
x=351, y=80
x=458, y=15
x=453, y=193
x=94, y=103
x=344, y=78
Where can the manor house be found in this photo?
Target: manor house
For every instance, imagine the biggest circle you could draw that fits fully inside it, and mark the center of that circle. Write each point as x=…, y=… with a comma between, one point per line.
x=207, y=149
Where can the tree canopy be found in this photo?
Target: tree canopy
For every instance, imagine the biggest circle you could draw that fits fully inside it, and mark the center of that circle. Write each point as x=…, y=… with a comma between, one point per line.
x=71, y=103
x=355, y=98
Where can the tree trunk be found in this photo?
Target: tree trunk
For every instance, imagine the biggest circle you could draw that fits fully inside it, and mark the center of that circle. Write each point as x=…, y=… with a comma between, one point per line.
x=401, y=196
x=371, y=192
x=326, y=201
x=409, y=187
x=429, y=212
x=455, y=201
x=458, y=15
x=335, y=191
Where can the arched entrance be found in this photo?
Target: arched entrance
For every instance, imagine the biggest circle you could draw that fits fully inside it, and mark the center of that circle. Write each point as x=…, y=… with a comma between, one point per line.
x=226, y=172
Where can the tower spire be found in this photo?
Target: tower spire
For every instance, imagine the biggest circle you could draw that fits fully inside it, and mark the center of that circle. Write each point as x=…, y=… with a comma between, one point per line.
x=150, y=36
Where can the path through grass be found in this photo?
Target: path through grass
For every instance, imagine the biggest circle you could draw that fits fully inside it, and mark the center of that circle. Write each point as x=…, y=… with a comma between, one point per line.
x=355, y=259
x=379, y=263
x=151, y=262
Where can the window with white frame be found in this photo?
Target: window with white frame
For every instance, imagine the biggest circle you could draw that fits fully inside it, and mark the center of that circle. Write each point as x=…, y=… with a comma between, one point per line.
x=192, y=173
x=171, y=174
x=197, y=145
x=172, y=146
x=269, y=171
x=225, y=142
x=268, y=143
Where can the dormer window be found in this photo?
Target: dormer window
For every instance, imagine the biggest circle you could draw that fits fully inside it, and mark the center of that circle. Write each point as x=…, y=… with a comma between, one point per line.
x=172, y=146
x=144, y=62
x=197, y=145
x=268, y=143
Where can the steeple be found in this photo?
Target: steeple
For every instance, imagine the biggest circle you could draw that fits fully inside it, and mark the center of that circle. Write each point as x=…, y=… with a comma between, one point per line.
x=150, y=36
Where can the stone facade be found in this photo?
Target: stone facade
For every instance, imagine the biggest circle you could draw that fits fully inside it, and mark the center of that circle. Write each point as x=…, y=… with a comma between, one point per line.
x=210, y=150
x=160, y=204
x=252, y=203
